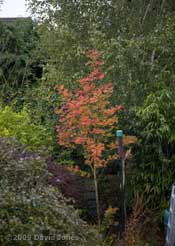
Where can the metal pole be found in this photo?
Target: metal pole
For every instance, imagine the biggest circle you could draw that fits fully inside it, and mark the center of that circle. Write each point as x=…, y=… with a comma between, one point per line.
x=119, y=134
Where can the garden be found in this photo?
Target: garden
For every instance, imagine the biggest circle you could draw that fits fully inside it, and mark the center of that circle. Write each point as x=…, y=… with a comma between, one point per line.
x=87, y=116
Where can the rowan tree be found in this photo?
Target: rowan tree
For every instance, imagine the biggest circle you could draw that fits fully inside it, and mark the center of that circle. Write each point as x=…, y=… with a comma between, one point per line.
x=86, y=119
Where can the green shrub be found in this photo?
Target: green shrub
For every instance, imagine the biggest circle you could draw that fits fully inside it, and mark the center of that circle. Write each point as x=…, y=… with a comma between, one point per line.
x=19, y=125
x=31, y=212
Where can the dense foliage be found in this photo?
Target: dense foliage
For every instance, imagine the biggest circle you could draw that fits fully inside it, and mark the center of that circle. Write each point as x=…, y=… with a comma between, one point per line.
x=154, y=173
x=136, y=39
x=31, y=212
x=46, y=57
x=19, y=59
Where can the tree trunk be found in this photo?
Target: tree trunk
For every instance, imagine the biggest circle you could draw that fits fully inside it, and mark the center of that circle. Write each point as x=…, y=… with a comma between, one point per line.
x=97, y=196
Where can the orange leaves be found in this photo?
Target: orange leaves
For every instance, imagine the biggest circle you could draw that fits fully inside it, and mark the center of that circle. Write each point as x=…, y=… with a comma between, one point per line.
x=63, y=91
x=110, y=122
x=98, y=131
x=95, y=58
x=86, y=121
x=86, y=118
x=129, y=140
x=97, y=74
x=114, y=110
x=96, y=63
x=64, y=139
x=97, y=151
x=80, y=140
x=113, y=157
x=107, y=88
x=113, y=146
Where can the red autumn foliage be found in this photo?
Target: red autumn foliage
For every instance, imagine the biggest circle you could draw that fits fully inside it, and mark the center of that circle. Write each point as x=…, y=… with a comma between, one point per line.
x=86, y=117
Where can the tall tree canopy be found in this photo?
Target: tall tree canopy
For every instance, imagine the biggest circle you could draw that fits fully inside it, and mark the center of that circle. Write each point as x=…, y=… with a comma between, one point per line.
x=19, y=63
